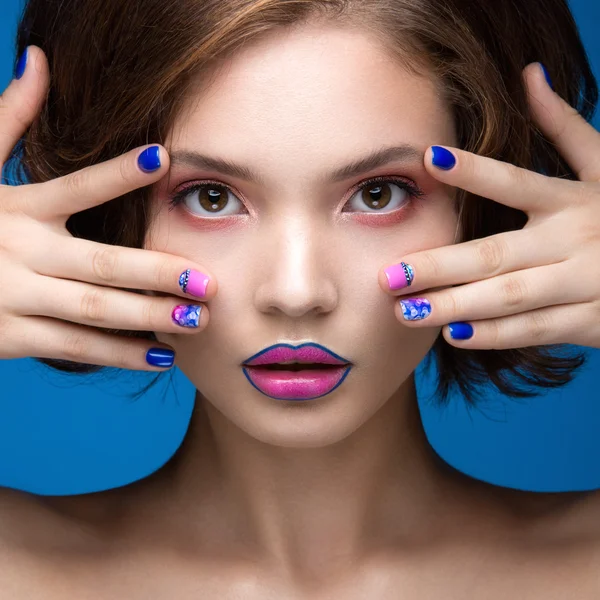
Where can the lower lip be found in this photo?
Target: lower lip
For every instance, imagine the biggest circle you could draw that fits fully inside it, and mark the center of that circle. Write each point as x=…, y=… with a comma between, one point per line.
x=307, y=384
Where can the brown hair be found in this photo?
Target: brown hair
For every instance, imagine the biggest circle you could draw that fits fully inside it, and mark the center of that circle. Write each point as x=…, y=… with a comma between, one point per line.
x=118, y=69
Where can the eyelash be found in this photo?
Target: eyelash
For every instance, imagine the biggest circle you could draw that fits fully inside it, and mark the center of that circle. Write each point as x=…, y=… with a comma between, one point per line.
x=413, y=191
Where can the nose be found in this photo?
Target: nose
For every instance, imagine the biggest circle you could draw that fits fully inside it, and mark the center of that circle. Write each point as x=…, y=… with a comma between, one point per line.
x=297, y=271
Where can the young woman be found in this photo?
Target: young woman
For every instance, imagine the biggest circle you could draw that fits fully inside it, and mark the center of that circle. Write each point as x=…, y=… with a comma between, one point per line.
x=296, y=168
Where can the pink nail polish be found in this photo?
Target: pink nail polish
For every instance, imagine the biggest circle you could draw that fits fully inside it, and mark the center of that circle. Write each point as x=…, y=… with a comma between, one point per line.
x=194, y=282
x=399, y=276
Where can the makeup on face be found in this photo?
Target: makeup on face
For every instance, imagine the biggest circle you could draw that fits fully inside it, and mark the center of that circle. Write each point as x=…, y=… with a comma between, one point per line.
x=288, y=372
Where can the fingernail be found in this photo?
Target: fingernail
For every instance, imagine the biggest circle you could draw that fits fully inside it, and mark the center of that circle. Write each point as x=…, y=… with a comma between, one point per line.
x=194, y=283
x=399, y=276
x=546, y=75
x=21, y=65
x=160, y=357
x=460, y=330
x=149, y=159
x=415, y=309
x=442, y=158
x=186, y=315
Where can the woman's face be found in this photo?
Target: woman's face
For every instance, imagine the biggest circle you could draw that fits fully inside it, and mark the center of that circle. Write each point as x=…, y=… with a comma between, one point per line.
x=295, y=249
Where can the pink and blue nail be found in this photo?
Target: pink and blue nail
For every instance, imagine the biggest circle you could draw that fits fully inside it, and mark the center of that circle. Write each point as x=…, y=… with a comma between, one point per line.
x=415, y=309
x=186, y=315
x=193, y=282
x=399, y=276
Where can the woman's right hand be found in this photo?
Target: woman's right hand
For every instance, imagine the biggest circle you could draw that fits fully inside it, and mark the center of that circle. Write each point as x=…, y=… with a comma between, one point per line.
x=55, y=289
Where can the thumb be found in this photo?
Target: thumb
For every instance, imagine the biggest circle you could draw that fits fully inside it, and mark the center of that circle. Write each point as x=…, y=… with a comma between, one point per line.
x=22, y=100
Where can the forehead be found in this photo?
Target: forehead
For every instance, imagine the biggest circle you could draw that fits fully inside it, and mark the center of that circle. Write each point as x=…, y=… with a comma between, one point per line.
x=310, y=87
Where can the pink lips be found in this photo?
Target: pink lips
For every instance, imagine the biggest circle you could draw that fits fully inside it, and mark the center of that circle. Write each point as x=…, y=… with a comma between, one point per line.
x=283, y=353
x=306, y=384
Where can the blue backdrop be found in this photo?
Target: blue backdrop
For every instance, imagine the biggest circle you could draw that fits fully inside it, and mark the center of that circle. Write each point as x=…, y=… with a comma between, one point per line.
x=63, y=434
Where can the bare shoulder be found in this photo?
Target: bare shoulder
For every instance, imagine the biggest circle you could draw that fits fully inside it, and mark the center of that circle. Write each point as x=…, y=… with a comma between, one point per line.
x=556, y=519
x=34, y=524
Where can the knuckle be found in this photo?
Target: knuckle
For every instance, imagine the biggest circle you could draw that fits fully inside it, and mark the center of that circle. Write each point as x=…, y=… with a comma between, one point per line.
x=121, y=355
x=151, y=314
x=76, y=346
x=93, y=305
x=588, y=232
x=452, y=306
x=76, y=182
x=491, y=253
x=493, y=333
x=126, y=172
x=582, y=194
x=519, y=175
x=162, y=278
x=432, y=266
x=467, y=166
x=512, y=292
x=538, y=326
x=104, y=263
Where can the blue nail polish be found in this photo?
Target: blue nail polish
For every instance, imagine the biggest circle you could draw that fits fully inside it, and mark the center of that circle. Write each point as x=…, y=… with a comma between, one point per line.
x=546, y=75
x=160, y=357
x=415, y=309
x=460, y=330
x=21, y=65
x=442, y=158
x=149, y=159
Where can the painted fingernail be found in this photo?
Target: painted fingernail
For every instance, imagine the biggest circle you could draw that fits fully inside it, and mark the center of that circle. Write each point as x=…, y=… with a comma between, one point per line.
x=194, y=283
x=160, y=357
x=399, y=276
x=415, y=309
x=546, y=75
x=21, y=65
x=149, y=159
x=442, y=158
x=460, y=330
x=186, y=315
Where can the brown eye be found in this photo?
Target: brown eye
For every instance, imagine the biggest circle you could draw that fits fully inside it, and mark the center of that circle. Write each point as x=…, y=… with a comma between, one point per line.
x=382, y=194
x=376, y=195
x=212, y=198
x=205, y=199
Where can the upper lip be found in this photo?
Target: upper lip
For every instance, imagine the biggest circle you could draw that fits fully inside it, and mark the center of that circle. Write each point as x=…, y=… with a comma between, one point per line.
x=309, y=352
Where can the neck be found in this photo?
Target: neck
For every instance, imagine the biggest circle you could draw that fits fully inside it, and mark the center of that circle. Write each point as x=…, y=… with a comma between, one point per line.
x=302, y=509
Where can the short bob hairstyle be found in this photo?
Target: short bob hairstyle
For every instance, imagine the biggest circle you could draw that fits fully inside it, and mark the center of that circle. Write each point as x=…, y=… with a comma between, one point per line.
x=118, y=69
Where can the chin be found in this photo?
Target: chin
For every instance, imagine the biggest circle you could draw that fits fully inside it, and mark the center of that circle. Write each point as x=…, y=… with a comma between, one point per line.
x=298, y=424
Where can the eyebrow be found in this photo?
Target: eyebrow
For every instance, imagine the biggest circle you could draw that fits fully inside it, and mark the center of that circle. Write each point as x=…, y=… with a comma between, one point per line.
x=377, y=158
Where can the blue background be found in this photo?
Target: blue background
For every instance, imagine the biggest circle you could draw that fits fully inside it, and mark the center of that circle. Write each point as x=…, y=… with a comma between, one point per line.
x=66, y=434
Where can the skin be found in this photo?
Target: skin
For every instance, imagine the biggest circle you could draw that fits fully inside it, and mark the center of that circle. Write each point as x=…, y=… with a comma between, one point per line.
x=340, y=497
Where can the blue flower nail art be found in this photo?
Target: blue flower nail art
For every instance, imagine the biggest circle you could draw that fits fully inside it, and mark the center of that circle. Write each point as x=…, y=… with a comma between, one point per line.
x=186, y=315
x=414, y=309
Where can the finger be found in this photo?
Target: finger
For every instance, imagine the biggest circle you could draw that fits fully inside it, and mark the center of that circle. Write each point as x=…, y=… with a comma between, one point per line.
x=43, y=337
x=121, y=267
x=109, y=308
x=576, y=140
x=500, y=296
x=500, y=181
x=59, y=198
x=22, y=100
x=472, y=261
x=563, y=324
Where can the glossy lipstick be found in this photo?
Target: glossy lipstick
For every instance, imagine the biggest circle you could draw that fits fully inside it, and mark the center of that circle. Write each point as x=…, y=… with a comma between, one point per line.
x=303, y=384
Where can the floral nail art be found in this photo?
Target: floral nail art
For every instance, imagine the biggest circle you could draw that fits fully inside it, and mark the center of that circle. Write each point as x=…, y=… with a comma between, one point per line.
x=414, y=309
x=186, y=315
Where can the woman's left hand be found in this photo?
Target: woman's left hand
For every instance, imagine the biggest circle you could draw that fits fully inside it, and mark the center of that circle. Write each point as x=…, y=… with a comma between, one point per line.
x=534, y=286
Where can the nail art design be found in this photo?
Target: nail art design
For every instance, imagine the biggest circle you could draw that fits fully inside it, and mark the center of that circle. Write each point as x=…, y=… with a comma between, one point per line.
x=399, y=276
x=193, y=282
x=186, y=315
x=415, y=309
